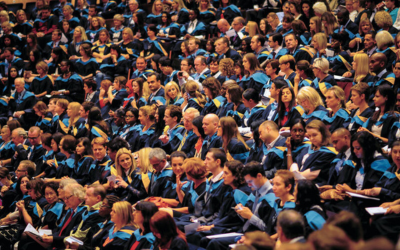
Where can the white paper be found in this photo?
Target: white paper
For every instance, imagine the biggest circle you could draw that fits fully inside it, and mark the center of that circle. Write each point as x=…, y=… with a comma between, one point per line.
x=362, y=196
x=376, y=210
x=255, y=6
x=230, y=33
x=240, y=34
x=64, y=39
x=191, y=228
x=19, y=35
x=111, y=178
x=298, y=176
x=216, y=236
x=30, y=229
x=280, y=15
x=72, y=239
x=338, y=77
x=232, y=246
x=45, y=232
x=330, y=53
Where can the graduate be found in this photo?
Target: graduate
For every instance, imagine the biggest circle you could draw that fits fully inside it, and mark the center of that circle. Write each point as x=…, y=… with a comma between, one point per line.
x=83, y=160
x=339, y=116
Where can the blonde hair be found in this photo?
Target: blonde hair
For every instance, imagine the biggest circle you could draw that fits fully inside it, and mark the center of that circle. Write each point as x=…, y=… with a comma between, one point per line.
x=193, y=89
x=322, y=128
x=63, y=103
x=253, y=28
x=330, y=21
x=383, y=38
x=153, y=8
x=5, y=14
x=100, y=20
x=311, y=95
x=129, y=32
x=362, y=22
x=119, y=17
x=362, y=68
x=181, y=4
x=125, y=212
x=383, y=19
x=42, y=65
x=145, y=165
x=74, y=106
x=67, y=7
x=118, y=167
x=99, y=141
x=168, y=86
x=339, y=94
x=322, y=64
x=149, y=111
x=210, y=6
x=83, y=34
x=319, y=8
x=321, y=40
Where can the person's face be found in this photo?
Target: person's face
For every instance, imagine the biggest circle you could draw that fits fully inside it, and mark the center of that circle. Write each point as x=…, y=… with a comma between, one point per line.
x=396, y=70
x=273, y=91
x=369, y=42
x=292, y=9
x=395, y=153
x=192, y=15
x=99, y=151
x=105, y=209
x=117, y=23
x=335, y=43
x=313, y=26
x=185, y=66
x=92, y=11
x=209, y=46
x=389, y=4
x=219, y=131
x=187, y=121
x=21, y=170
x=284, y=66
x=365, y=27
x=141, y=64
x=154, y=85
x=375, y=64
x=50, y=195
x=237, y=26
x=115, y=217
x=210, y=162
x=17, y=139
x=331, y=100
x=356, y=98
x=82, y=112
x=157, y=164
x=209, y=126
x=168, y=119
x=183, y=48
x=7, y=40
x=138, y=217
x=279, y=187
x=135, y=87
x=228, y=176
x=54, y=145
x=379, y=100
x=34, y=137
x=142, y=118
x=65, y=26
x=314, y=44
x=286, y=9
x=196, y=131
x=177, y=165
x=286, y=25
x=116, y=85
x=263, y=133
x=339, y=142
x=172, y=92
x=214, y=67
x=306, y=8
x=77, y=33
x=253, y=182
x=13, y=73
x=246, y=64
x=349, y=6
x=342, y=20
x=315, y=137
x=291, y=43
x=125, y=161
x=95, y=22
x=54, y=36
x=125, y=35
x=80, y=149
x=316, y=70
x=45, y=14
x=8, y=55
x=58, y=109
x=357, y=150
x=254, y=44
x=24, y=182
x=5, y=134
x=90, y=198
x=69, y=111
x=297, y=133
x=192, y=45
x=130, y=117
x=204, y=4
x=65, y=12
x=198, y=65
x=158, y=5
x=269, y=70
x=286, y=96
x=164, y=18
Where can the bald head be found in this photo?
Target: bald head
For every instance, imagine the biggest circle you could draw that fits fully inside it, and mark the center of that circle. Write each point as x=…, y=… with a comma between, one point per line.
x=290, y=225
x=210, y=124
x=223, y=25
x=377, y=62
x=341, y=140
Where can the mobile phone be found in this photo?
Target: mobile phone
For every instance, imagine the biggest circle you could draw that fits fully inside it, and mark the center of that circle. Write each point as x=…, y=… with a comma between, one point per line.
x=180, y=73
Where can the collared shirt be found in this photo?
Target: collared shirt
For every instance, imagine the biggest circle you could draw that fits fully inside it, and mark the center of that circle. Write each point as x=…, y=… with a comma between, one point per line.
x=154, y=94
x=255, y=220
x=217, y=177
x=272, y=144
x=348, y=154
x=381, y=73
x=192, y=26
x=371, y=51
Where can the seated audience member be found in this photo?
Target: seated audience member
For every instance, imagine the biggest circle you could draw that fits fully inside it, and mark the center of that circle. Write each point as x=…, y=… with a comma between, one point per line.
x=290, y=227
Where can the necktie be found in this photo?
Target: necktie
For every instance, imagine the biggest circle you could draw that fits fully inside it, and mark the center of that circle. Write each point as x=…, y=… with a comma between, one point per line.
x=182, y=142
x=66, y=223
x=273, y=54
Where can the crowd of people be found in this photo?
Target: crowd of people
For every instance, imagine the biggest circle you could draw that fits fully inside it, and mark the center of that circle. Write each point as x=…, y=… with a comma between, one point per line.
x=165, y=124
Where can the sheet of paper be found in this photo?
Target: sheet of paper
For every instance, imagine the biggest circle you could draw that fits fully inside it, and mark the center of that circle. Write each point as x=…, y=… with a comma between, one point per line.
x=362, y=196
x=230, y=33
x=240, y=34
x=73, y=239
x=376, y=210
x=45, y=232
x=216, y=236
x=330, y=53
x=338, y=77
x=30, y=229
x=255, y=6
x=298, y=176
x=232, y=246
x=111, y=178
x=191, y=228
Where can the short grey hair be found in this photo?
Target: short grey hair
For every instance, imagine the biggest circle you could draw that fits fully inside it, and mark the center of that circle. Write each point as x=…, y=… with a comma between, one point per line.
x=157, y=153
x=76, y=190
x=292, y=223
x=319, y=8
x=192, y=111
x=21, y=132
x=66, y=182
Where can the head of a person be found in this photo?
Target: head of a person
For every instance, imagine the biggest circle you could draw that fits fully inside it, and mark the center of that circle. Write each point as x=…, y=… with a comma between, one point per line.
x=154, y=81
x=95, y=193
x=188, y=116
x=257, y=42
x=320, y=67
x=74, y=195
x=34, y=188
x=384, y=39
x=68, y=144
x=177, y=159
x=25, y=167
x=290, y=225
x=195, y=169
x=142, y=213
x=238, y=23
x=22, y=182
x=108, y=203
x=215, y=159
x=251, y=98
x=210, y=124
x=364, y=146
x=306, y=195
x=34, y=136
x=61, y=106
x=360, y=93
x=286, y=63
x=291, y=41
x=250, y=62
x=377, y=62
x=99, y=147
x=50, y=192
x=200, y=64
x=18, y=136
x=211, y=87
x=198, y=126
x=172, y=116
x=19, y=84
x=164, y=228
x=158, y=159
x=318, y=133
x=124, y=162
x=122, y=213
x=309, y=98
x=268, y=131
x=283, y=183
x=233, y=173
x=147, y=113
x=254, y=175
x=341, y=139
x=349, y=223
x=384, y=98
x=319, y=41
x=335, y=98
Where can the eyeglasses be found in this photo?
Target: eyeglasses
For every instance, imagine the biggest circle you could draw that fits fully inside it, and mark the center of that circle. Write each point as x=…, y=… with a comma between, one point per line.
x=105, y=206
x=130, y=116
x=67, y=198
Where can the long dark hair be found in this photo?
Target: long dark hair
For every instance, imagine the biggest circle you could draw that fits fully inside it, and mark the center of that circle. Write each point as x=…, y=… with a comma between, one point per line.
x=385, y=91
x=256, y=135
x=163, y=224
x=281, y=105
x=95, y=117
x=148, y=209
x=18, y=187
x=307, y=196
x=88, y=148
x=160, y=124
x=369, y=145
x=198, y=123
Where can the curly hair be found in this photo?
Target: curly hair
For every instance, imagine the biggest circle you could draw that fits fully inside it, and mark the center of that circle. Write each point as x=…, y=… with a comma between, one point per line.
x=213, y=85
x=236, y=167
x=227, y=67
